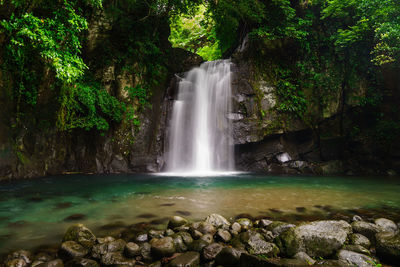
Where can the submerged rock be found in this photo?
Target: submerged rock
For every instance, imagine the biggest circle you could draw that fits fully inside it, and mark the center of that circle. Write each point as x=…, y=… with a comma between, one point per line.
x=317, y=239
x=80, y=234
x=188, y=259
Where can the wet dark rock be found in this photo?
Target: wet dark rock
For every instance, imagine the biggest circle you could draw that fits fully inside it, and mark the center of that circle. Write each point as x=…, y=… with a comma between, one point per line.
x=99, y=250
x=20, y=258
x=183, y=213
x=167, y=204
x=75, y=217
x=196, y=234
x=275, y=211
x=72, y=249
x=159, y=221
x=146, y=216
x=300, y=209
x=16, y=263
x=388, y=247
x=18, y=224
x=44, y=257
x=179, y=243
x=359, y=239
x=188, y=259
x=198, y=245
x=131, y=250
x=208, y=238
x=145, y=251
x=53, y=263
x=366, y=229
x=82, y=262
x=156, y=233
x=218, y=221
x=356, y=259
x=224, y=235
x=317, y=239
x=228, y=257
x=117, y=258
x=36, y=263
x=169, y=232
x=386, y=225
x=162, y=247
x=245, y=223
x=304, y=258
x=80, y=234
x=186, y=237
x=176, y=221
x=211, y=251
x=35, y=199
x=141, y=237
x=278, y=228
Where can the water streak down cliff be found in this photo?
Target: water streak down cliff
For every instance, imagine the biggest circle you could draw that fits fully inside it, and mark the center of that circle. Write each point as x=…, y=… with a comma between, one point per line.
x=200, y=132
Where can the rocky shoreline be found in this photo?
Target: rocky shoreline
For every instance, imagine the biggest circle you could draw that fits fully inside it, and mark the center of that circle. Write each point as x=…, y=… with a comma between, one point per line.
x=215, y=241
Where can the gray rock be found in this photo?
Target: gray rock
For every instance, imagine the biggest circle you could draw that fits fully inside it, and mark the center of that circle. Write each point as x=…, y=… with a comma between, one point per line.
x=198, y=245
x=304, y=258
x=203, y=227
x=208, y=238
x=357, y=259
x=358, y=249
x=72, y=249
x=276, y=231
x=224, y=235
x=101, y=249
x=386, y=225
x=188, y=259
x=264, y=223
x=80, y=234
x=245, y=223
x=131, y=250
x=102, y=240
x=359, y=239
x=145, y=251
x=82, y=262
x=236, y=227
x=218, y=221
x=228, y=257
x=186, y=237
x=317, y=239
x=366, y=229
x=176, y=221
x=162, y=247
x=142, y=237
x=388, y=246
x=256, y=244
x=117, y=258
x=211, y=251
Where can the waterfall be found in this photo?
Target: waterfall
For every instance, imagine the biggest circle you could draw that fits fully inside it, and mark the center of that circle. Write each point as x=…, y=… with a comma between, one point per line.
x=200, y=132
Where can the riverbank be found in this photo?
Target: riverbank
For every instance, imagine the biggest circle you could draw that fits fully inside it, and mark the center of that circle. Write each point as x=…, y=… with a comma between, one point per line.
x=216, y=241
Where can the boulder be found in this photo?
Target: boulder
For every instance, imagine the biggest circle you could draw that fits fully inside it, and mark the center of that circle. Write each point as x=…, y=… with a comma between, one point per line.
x=208, y=238
x=203, y=227
x=198, y=245
x=16, y=263
x=304, y=258
x=211, y=251
x=188, y=259
x=386, y=225
x=82, y=262
x=176, y=221
x=80, y=234
x=163, y=247
x=236, y=228
x=256, y=244
x=218, y=221
x=366, y=229
x=101, y=249
x=179, y=244
x=72, y=249
x=19, y=258
x=356, y=259
x=131, y=250
x=317, y=239
x=388, y=247
x=228, y=257
x=186, y=237
x=359, y=239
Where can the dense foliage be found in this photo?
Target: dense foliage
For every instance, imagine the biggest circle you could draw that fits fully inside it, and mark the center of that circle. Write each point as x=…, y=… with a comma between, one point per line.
x=316, y=52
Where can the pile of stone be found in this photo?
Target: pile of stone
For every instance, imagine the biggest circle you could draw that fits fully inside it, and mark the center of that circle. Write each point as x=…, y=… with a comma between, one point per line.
x=215, y=241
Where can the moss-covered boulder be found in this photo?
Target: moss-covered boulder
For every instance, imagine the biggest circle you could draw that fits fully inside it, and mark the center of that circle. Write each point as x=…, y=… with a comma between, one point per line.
x=317, y=239
x=80, y=234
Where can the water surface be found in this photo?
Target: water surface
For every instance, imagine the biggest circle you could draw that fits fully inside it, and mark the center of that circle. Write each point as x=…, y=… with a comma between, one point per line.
x=38, y=211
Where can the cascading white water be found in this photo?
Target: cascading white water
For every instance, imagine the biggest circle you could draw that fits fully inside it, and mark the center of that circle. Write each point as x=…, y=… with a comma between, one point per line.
x=200, y=134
